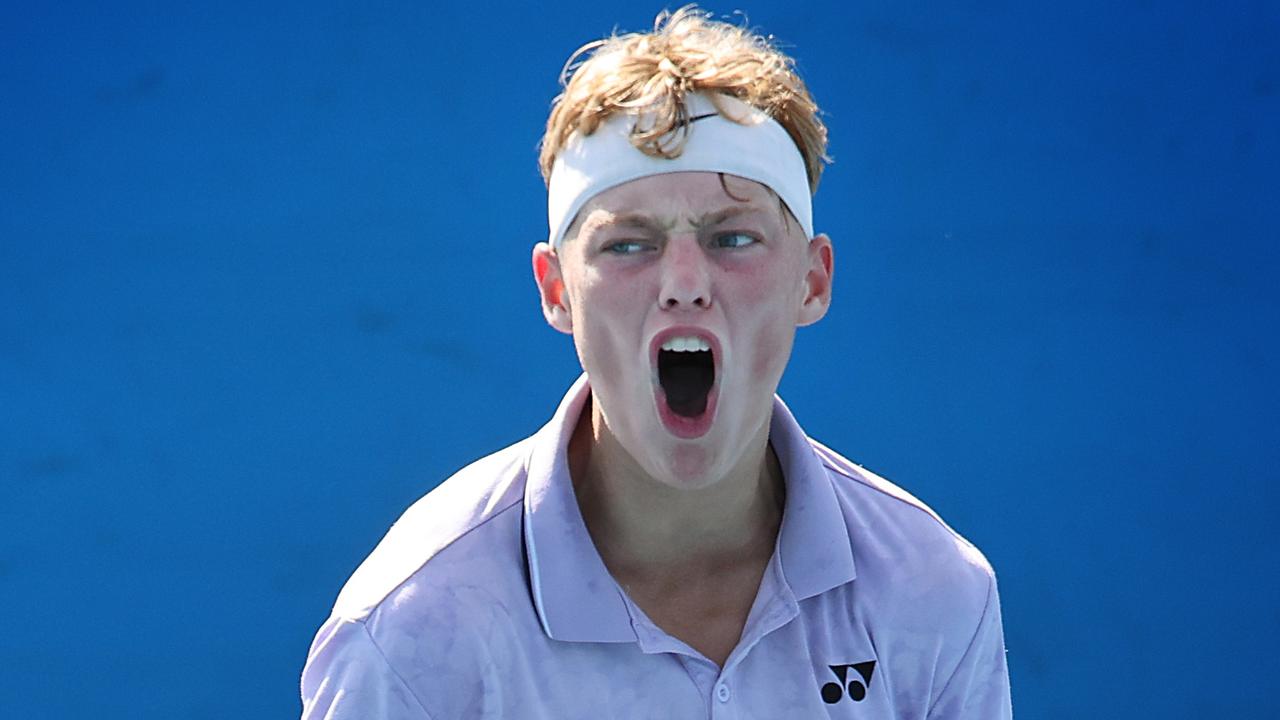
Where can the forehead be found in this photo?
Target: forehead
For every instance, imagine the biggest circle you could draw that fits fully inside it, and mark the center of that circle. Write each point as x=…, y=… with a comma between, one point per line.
x=679, y=196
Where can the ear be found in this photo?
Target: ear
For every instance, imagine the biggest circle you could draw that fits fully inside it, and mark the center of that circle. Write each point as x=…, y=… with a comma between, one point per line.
x=817, y=281
x=550, y=281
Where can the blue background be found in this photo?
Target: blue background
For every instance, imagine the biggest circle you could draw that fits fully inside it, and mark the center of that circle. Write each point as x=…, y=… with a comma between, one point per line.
x=264, y=280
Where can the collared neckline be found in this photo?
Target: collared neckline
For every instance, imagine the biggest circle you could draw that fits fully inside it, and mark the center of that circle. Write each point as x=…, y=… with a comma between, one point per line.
x=578, y=600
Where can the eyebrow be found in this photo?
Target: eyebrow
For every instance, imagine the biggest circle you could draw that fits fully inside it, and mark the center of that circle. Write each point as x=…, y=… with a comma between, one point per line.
x=645, y=222
x=715, y=218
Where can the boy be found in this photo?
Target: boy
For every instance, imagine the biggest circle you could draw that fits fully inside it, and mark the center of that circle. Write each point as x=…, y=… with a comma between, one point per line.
x=671, y=544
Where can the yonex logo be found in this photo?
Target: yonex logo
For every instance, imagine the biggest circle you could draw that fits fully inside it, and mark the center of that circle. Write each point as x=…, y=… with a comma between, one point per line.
x=832, y=693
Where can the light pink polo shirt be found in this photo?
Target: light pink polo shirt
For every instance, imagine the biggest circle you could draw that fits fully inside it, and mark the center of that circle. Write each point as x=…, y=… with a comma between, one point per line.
x=487, y=599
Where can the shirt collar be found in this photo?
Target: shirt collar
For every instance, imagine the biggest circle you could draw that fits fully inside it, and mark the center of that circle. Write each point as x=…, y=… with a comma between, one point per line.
x=578, y=600
x=814, y=543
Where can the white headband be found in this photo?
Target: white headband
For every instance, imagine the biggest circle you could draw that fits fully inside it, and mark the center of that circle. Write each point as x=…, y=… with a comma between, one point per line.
x=757, y=149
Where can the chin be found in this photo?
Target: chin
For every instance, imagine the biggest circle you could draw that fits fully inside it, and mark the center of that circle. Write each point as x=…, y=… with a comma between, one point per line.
x=690, y=465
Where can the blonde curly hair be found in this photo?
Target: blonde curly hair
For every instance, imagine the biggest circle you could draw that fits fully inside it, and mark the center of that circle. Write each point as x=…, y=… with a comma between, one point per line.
x=651, y=73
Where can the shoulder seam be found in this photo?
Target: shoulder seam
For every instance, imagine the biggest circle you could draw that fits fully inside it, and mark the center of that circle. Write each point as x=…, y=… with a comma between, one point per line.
x=919, y=507
x=496, y=513
x=516, y=501
x=443, y=546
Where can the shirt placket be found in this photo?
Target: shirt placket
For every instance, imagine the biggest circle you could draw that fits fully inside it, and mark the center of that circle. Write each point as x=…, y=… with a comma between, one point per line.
x=725, y=700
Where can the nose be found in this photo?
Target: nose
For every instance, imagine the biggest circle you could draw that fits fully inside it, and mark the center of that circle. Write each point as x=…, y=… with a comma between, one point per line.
x=686, y=277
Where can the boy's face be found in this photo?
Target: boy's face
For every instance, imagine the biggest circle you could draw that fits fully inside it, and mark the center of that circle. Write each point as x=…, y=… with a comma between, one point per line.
x=675, y=261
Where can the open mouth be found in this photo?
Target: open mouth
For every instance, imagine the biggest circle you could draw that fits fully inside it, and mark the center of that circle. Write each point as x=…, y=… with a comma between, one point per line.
x=686, y=372
x=686, y=377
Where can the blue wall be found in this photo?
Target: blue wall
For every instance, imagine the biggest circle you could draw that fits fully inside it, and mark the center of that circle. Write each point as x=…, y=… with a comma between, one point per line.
x=264, y=281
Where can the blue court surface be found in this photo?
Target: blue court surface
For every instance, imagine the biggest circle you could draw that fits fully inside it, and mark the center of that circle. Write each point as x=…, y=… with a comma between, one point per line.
x=264, y=281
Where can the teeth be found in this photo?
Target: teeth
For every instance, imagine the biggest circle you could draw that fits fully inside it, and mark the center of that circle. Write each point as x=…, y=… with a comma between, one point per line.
x=686, y=344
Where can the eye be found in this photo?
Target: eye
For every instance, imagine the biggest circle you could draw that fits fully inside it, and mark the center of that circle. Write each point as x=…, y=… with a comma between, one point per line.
x=625, y=247
x=735, y=240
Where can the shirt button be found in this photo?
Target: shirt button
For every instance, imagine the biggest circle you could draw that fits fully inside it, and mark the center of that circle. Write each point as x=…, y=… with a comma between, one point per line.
x=722, y=692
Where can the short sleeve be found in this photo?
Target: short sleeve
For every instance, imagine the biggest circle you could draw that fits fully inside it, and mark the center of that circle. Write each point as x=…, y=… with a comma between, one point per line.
x=348, y=678
x=979, y=687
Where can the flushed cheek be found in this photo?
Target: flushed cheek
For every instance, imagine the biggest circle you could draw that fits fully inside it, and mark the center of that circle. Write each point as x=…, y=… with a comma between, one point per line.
x=755, y=283
x=767, y=327
x=615, y=297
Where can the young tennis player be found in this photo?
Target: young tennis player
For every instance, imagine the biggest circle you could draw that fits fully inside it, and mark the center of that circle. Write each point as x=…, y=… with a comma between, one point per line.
x=671, y=544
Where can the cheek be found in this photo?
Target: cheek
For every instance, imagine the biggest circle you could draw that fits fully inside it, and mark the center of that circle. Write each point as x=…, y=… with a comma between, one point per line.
x=772, y=348
x=605, y=313
x=775, y=279
x=768, y=301
x=756, y=284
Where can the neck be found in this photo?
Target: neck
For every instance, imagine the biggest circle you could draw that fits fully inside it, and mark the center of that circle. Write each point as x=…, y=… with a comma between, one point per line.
x=643, y=527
